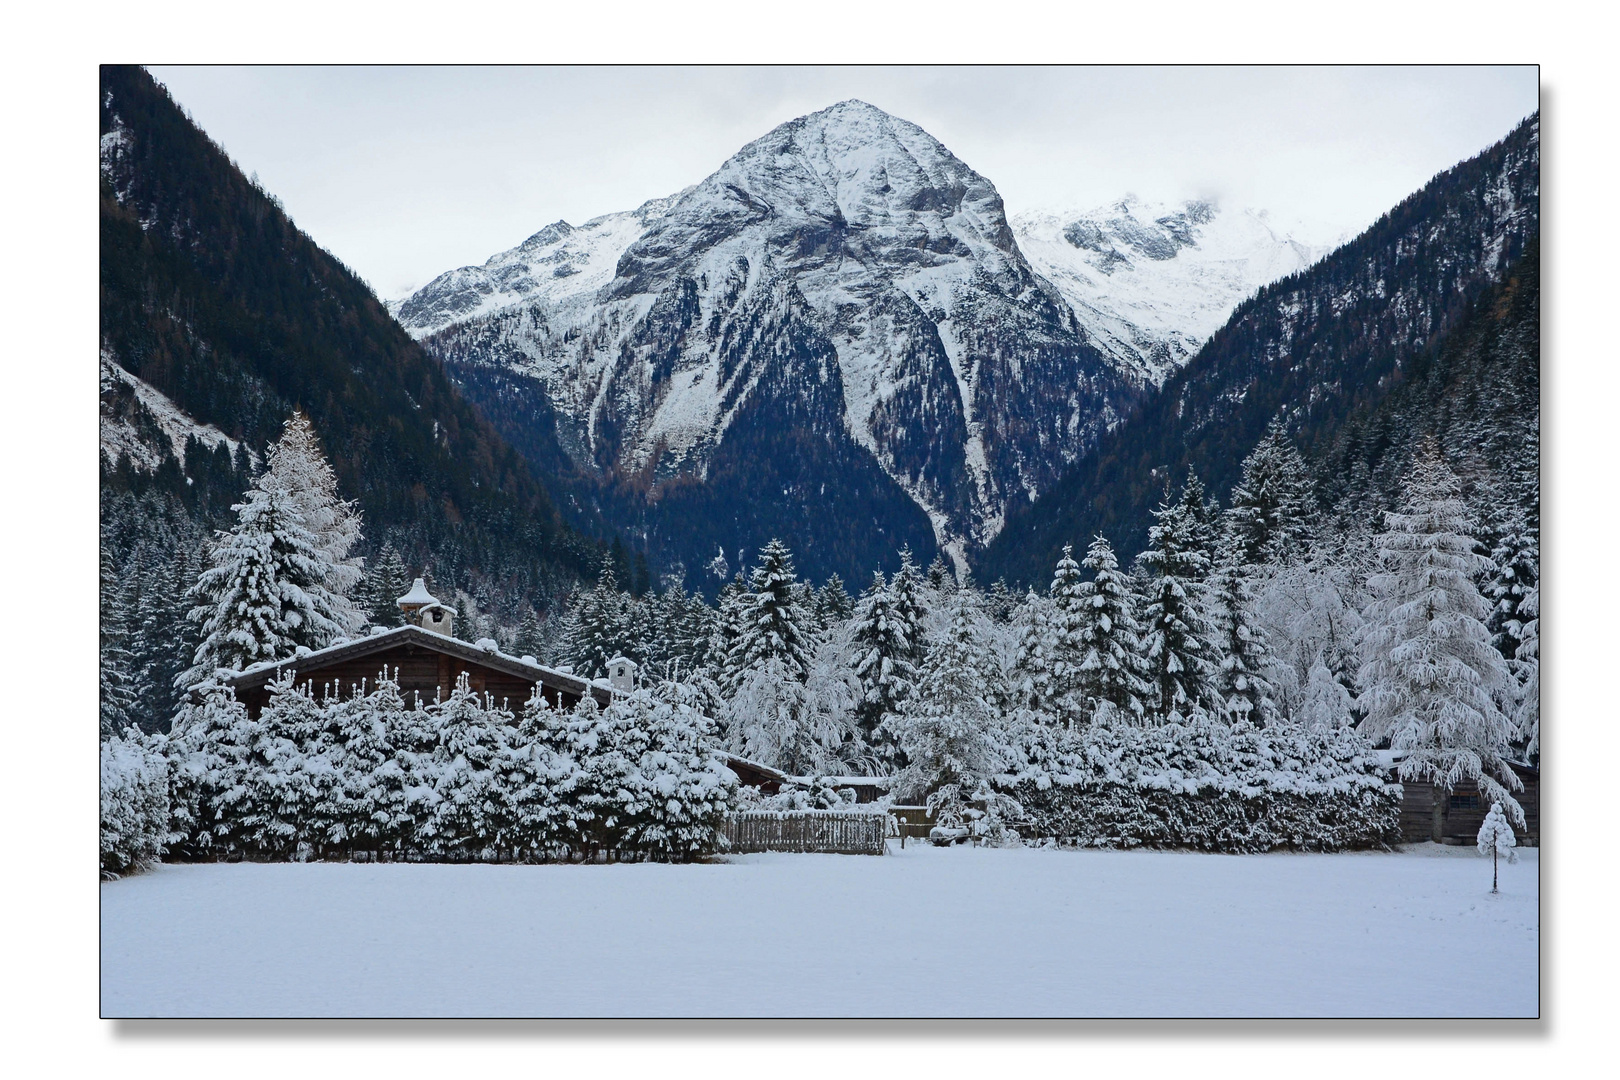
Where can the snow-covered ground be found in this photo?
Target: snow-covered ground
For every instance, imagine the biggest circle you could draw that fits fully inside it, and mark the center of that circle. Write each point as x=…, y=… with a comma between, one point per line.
x=930, y=932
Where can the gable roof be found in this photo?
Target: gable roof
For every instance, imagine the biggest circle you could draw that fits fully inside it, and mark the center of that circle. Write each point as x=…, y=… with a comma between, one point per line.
x=259, y=674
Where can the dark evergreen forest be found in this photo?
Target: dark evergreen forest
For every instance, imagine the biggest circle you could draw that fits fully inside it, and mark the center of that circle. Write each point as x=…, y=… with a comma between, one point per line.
x=1323, y=349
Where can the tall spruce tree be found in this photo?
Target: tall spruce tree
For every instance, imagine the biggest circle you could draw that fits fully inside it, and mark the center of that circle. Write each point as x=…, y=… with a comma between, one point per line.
x=1064, y=648
x=880, y=655
x=1274, y=506
x=905, y=591
x=298, y=466
x=264, y=592
x=597, y=626
x=1242, y=680
x=1516, y=555
x=1032, y=687
x=385, y=582
x=773, y=622
x=1179, y=668
x=833, y=604
x=1108, y=682
x=1430, y=679
x=1527, y=716
x=116, y=661
x=950, y=732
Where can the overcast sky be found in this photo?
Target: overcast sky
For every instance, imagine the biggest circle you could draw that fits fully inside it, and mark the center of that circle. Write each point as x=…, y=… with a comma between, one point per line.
x=407, y=172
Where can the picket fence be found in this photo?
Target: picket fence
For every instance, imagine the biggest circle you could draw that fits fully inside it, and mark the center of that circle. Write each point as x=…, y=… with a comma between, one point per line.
x=826, y=831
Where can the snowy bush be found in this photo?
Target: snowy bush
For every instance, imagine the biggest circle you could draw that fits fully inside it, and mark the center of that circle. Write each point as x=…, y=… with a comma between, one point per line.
x=458, y=780
x=815, y=793
x=134, y=803
x=1203, y=785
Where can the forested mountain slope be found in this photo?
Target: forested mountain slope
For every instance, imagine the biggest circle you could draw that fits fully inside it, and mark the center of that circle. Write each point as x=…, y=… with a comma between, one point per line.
x=211, y=296
x=1317, y=348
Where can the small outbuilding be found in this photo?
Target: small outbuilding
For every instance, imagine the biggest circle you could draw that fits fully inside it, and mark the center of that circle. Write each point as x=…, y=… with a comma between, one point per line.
x=1454, y=817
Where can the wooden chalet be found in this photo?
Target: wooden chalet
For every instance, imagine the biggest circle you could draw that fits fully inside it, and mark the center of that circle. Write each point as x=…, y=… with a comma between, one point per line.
x=427, y=663
x=427, y=660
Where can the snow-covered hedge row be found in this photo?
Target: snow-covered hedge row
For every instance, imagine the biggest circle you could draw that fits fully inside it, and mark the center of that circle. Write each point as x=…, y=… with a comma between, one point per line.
x=461, y=779
x=1204, y=785
x=134, y=804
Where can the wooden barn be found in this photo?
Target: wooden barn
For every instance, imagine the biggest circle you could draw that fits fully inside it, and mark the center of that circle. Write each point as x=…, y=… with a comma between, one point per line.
x=1457, y=818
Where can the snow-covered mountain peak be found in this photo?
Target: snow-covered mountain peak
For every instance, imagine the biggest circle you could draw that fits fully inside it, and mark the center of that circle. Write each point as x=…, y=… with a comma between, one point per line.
x=1150, y=282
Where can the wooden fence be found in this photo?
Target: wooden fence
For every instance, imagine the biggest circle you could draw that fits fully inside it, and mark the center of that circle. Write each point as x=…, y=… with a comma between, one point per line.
x=826, y=831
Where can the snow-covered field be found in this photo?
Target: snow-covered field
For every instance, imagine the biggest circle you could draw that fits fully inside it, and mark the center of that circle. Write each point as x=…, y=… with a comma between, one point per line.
x=930, y=932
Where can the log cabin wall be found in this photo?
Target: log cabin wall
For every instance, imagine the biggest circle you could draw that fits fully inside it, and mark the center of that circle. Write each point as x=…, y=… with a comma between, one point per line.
x=422, y=673
x=1463, y=811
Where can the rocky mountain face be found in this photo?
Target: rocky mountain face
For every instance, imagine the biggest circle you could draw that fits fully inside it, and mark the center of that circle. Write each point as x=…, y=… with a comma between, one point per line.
x=837, y=325
x=1321, y=348
x=1149, y=283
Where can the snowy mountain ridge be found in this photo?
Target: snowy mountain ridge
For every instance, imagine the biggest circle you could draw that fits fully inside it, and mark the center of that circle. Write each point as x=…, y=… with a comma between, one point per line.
x=1151, y=282
x=559, y=265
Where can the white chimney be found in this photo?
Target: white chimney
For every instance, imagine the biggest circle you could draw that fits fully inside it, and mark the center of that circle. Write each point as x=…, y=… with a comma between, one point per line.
x=437, y=618
x=622, y=674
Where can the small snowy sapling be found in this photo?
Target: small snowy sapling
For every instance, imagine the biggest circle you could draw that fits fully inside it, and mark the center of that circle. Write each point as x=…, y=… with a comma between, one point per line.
x=1496, y=839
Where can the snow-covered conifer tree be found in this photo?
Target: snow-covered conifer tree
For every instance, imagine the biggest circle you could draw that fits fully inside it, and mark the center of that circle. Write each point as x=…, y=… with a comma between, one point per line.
x=833, y=604
x=384, y=584
x=298, y=466
x=473, y=731
x=116, y=676
x=773, y=624
x=1516, y=555
x=1107, y=682
x=597, y=628
x=1000, y=602
x=1242, y=681
x=950, y=732
x=1274, y=505
x=880, y=655
x=1430, y=678
x=1496, y=839
x=1527, y=716
x=1032, y=665
x=264, y=592
x=529, y=640
x=288, y=777
x=1176, y=635
x=210, y=754
x=905, y=593
x=134, y=802
x=731, y=607
x=367, y=809
x=1063, y=644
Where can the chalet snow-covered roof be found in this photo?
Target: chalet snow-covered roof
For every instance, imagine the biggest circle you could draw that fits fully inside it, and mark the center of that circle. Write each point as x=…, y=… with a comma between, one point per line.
x=261, y=673
x=418, y=595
